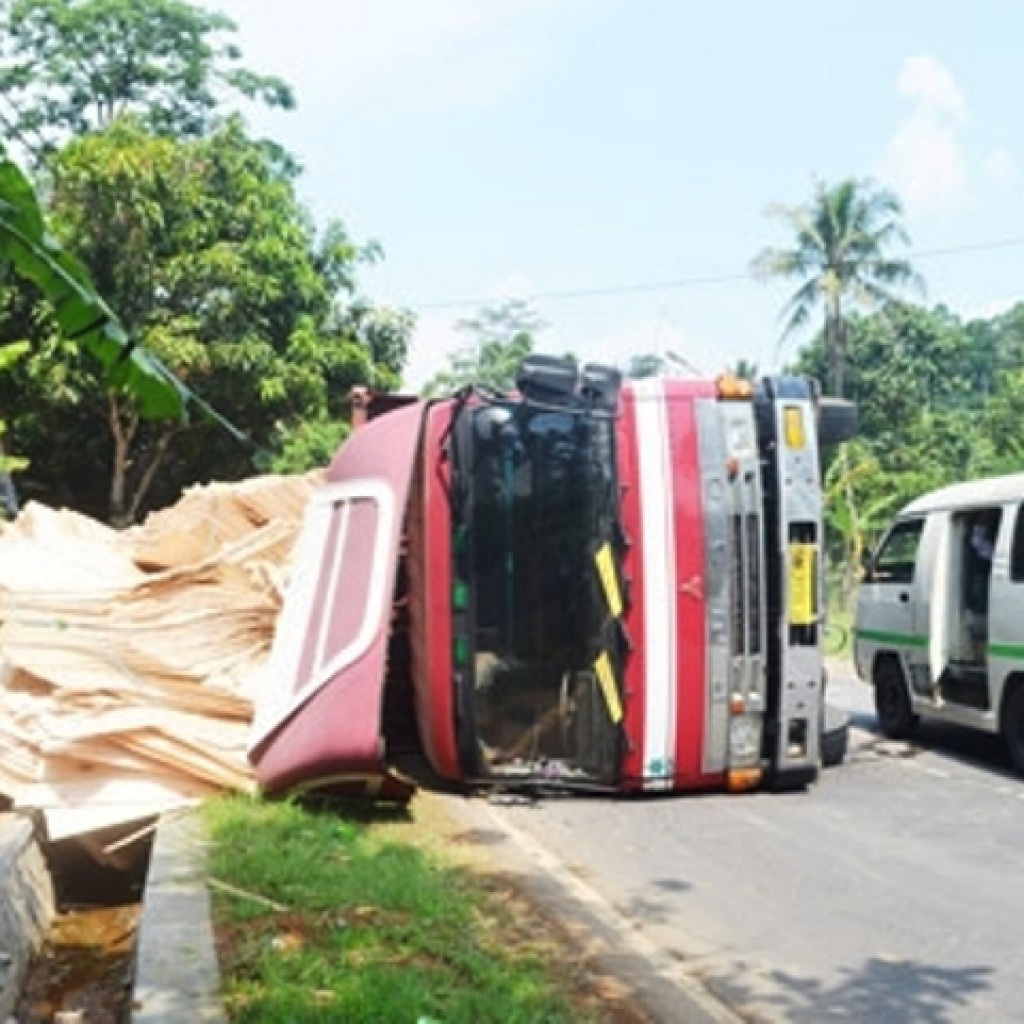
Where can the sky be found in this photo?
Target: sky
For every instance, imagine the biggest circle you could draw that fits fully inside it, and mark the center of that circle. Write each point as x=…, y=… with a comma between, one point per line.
x=613, y=161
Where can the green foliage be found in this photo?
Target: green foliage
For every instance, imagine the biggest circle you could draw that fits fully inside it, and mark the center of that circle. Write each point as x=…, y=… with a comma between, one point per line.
x=902, y=360
x=745, y=369
x=501, y=336
x=375, y=929
x=840, y=257
x=213, y=265
x=646, y=364
x=939, y=401
x=306, y=444
x=857, y=507
x=82, y=317
x=68, y=67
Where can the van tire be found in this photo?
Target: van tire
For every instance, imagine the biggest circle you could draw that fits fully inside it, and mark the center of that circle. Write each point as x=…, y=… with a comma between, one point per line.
x=1013, y=726
x=892, y=702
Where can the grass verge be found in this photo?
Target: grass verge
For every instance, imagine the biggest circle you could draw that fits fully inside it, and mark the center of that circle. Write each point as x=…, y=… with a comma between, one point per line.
x=330, y=915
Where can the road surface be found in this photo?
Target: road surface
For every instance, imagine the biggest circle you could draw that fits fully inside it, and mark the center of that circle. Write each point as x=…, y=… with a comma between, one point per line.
x=891, y=891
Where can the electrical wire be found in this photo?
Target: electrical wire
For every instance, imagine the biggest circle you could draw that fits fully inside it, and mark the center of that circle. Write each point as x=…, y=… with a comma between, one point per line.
x=692, y=282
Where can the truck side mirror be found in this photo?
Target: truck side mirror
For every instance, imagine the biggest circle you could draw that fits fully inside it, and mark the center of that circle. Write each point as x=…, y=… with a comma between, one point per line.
x=549, y=380
x=601, y=385
x=867, y=565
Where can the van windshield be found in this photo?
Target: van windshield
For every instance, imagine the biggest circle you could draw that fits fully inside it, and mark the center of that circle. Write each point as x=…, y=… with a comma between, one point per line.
x=536, y=501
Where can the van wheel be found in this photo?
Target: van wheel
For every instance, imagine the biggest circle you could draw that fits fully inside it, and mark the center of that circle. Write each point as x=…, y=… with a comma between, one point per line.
x=892, y=704
x=1013, y=727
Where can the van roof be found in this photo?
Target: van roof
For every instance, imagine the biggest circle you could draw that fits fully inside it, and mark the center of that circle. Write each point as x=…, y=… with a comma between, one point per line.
x=996, y=490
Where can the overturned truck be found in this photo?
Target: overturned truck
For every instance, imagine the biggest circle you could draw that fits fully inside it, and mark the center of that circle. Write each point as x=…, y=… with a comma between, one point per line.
x=582, y=584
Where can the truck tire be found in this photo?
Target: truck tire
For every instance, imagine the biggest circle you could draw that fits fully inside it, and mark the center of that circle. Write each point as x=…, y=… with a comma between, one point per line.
x=837, y=420
x=892, y=702
x=1013, y=726
x=835, y=736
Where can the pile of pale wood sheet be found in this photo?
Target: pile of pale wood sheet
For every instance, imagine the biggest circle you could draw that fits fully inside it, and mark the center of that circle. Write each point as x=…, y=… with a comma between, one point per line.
x=128, y=659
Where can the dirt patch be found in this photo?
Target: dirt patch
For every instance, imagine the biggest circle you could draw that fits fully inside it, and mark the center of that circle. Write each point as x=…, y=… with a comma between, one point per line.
x=84, y=969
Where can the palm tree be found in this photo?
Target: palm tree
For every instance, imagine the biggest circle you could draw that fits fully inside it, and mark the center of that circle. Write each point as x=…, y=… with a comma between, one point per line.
x=841, y=259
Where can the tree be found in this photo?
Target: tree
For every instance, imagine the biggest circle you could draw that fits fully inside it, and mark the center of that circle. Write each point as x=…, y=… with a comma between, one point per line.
x=27, y=246
x=901, y=362
x=68, y=67
x=641, y=365
x=501, y=336
x=840, y=257
x=214, y=266
x=81, y=315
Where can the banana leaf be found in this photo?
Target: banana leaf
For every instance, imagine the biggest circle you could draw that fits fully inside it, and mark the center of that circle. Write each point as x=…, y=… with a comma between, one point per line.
x=81, y=314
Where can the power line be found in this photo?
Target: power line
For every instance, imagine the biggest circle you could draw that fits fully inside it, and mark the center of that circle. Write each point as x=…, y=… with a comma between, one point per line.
x=692, y=282
x=584, y=293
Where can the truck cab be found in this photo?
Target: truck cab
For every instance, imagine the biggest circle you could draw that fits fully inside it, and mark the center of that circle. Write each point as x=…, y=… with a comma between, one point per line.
x=585, y=583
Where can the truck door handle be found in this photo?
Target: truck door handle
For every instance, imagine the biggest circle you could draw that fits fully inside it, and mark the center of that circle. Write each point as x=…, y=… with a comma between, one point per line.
x=904, y=597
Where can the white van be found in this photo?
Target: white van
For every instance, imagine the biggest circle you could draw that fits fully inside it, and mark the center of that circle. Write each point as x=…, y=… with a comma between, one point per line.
x=940, y=615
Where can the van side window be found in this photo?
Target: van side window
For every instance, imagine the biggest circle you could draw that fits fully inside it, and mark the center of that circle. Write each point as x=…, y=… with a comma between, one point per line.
x=894, y=562
x=1017, y=551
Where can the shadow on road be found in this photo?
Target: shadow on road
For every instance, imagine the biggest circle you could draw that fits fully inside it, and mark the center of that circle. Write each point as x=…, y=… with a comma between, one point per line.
x=980, y=750
x=883, y=991
x=658, y=911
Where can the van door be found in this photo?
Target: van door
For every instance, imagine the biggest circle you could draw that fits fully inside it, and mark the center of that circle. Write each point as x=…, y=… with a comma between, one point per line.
x=933, y=602
x=970, y=545
x=886, y=620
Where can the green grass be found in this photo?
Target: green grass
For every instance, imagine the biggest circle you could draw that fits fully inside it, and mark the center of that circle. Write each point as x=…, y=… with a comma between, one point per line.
x=372, y=929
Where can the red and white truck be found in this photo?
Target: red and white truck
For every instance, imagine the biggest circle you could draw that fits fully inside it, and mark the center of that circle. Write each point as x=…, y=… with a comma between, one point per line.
x=584, y=584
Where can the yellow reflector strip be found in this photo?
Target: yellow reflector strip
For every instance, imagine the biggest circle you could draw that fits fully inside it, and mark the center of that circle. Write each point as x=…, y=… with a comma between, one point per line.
x=609, y=581
x=802, y=591
x=793, y=420
x=606, y=677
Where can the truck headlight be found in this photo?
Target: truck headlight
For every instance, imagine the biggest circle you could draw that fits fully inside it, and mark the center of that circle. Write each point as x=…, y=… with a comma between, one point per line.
x=744, y=738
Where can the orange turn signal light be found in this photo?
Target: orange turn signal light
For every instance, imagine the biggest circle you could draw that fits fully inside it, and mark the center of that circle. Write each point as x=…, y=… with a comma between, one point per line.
x=733, y=388
x=742, y=780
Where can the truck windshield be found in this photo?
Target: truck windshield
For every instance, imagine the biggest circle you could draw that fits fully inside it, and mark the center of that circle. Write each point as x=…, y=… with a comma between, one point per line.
x=536, y=503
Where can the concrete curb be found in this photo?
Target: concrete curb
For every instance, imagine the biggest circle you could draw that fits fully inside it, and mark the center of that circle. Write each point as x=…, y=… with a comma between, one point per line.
x=662, y=987
x=26, y=906
x=176, y=974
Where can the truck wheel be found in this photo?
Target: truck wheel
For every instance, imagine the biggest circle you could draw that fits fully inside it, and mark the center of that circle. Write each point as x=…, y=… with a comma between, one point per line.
x=892, y=704
x=1013, y=727
x=837, y=420
x=835, y=733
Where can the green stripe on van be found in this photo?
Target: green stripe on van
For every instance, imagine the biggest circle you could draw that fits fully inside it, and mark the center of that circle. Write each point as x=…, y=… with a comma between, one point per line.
x=1014, y=652
x=880, y=636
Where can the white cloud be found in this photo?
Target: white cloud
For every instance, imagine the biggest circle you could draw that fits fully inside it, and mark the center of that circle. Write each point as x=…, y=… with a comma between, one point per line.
x=1001, y=168
x=926, y=81
x=925, y=160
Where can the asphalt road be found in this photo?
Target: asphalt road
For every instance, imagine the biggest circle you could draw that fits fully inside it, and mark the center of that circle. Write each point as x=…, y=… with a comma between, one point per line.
x=891, y=891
